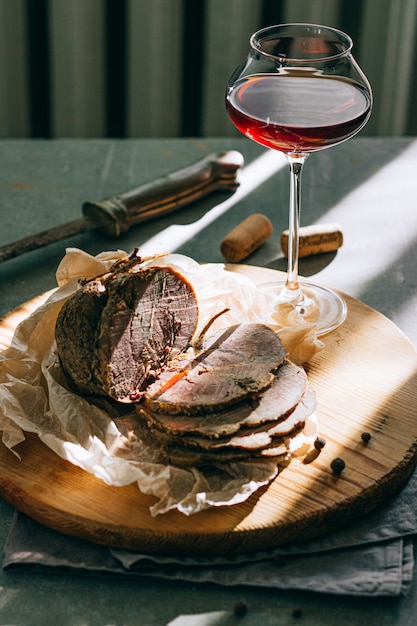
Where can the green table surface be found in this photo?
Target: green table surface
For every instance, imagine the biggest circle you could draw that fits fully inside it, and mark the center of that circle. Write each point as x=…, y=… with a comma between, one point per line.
x=368, y=186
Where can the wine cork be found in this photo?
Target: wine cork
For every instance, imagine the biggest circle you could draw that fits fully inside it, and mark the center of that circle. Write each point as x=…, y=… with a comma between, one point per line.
x=315, y=239
x=246, y=237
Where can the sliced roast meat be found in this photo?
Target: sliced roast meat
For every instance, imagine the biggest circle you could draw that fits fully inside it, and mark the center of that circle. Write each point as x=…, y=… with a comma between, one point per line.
x=257, y=437
x=189, y=457
x=226, y=397
x=276, y=402
x=304, y=409
x=117, y=332
x=252, y=444
x=184, y=457
x=231, y=366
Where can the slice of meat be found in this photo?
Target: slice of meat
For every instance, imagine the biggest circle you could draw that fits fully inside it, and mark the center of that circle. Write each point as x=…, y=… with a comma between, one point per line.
x=188, y=457
x=183, y=457
x=118, y=331
x=276, y=402
x=236, y=363
x=251, y=443
x=259, y=437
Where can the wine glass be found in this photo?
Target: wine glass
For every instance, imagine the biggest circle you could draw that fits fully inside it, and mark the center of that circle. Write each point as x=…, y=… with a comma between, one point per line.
x=300, y=90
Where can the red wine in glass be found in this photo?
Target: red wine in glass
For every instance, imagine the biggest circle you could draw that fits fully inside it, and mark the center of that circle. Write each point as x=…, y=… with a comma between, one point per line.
x=298, y=114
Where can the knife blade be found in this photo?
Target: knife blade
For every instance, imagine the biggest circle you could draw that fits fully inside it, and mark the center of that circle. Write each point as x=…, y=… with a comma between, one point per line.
x=115, y=215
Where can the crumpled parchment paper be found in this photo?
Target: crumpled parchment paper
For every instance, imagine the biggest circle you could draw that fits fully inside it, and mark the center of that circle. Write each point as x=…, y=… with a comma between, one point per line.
x=35, y=397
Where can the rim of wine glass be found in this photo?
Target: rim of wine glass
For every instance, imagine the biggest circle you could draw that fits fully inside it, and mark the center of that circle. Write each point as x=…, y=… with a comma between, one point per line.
x=259, y=35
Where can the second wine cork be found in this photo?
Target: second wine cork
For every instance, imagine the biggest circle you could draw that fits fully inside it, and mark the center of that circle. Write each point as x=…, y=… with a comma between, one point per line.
x=315, y=239
x=246, y=237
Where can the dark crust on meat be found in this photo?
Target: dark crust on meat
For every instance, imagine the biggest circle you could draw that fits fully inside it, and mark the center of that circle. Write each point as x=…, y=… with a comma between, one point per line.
x=75, y=334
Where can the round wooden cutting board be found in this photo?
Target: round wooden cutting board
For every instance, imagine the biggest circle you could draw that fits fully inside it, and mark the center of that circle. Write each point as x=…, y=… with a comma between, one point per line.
x=365, y=380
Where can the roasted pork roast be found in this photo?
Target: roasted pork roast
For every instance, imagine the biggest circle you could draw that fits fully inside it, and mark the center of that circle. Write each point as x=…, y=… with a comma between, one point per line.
x=225, y=396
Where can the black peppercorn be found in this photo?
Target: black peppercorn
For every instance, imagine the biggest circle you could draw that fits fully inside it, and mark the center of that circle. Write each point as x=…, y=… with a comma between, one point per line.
x=337, y=465
x=366, y=437
x=319, y=443
x=240, y=608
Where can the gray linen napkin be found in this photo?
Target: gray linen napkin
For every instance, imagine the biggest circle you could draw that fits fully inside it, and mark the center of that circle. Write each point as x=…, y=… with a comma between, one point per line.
x=372, y=557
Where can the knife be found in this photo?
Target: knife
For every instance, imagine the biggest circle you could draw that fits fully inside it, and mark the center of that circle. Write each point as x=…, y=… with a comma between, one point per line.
x=113, y=216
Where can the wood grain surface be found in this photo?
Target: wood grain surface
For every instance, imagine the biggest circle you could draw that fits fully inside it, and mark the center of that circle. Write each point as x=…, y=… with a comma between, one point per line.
x=365, y=380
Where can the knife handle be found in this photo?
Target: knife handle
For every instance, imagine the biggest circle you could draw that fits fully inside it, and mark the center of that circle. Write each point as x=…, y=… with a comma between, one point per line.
x=215, y=172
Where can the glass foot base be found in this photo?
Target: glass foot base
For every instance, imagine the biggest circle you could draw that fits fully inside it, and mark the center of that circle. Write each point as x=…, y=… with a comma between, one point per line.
x=317, y=304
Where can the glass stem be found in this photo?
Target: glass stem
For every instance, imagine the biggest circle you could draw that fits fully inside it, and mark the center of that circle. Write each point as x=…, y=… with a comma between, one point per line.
x=293, y=291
